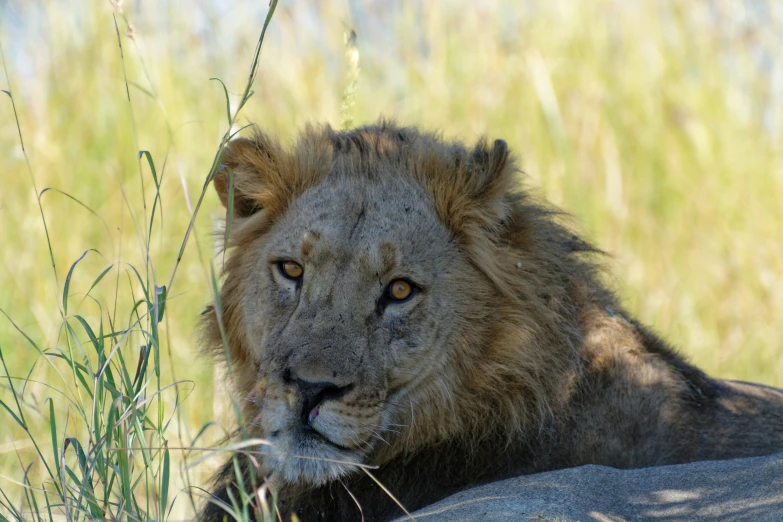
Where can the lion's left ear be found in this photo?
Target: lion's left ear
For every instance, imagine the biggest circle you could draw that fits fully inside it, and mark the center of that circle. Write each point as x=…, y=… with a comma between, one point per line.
x=492, y=171
x=479, y=189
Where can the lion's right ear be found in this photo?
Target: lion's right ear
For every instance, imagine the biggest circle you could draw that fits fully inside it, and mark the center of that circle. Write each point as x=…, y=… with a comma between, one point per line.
x=244, y=168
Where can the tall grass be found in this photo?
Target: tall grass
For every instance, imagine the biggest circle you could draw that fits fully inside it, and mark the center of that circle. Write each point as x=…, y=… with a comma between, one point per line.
x=657, y=125
x=116, y=464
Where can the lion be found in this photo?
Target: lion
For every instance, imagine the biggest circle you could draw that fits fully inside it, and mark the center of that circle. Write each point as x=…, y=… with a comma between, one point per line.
x=405, y=320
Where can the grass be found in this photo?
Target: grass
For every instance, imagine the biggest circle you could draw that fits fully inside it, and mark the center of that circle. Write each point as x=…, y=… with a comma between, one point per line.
x=657, y=125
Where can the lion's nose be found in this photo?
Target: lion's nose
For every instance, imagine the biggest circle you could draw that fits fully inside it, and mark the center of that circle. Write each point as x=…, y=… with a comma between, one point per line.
x=314, y=394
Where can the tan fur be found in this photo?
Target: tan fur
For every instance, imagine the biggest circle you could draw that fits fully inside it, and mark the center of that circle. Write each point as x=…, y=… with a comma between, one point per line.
x=513, y=358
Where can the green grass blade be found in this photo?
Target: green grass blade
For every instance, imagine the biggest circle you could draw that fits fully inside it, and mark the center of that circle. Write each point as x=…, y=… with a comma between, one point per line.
x=68, y=279
x=53, y=431
x=98, y=279
x=32, y=503
x=80, y=345
x=160, y=301
x=239, y=130
x=228, y=102
x=48, y=505
x=78, y=202
x=229, y=210
x=27, y=378
x=151, y=163
x=157, y=199
x=141, y=282
x=164, y=486
x=11, y=412
x=20, y=419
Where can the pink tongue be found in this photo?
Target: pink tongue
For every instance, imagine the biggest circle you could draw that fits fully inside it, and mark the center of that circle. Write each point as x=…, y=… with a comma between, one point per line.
x=313, y=413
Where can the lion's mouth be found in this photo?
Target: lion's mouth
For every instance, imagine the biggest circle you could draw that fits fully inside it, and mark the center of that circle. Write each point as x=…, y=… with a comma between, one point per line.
x=312, y=432
x=311, y=410
x=311, y=405
x=309, y=430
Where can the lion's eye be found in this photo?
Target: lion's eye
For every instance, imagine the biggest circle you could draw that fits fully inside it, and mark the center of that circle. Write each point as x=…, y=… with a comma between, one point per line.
x=401, y=290
x=290, y=269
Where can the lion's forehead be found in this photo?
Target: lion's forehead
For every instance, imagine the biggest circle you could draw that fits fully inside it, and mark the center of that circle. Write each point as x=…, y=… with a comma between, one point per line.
x=371, y=226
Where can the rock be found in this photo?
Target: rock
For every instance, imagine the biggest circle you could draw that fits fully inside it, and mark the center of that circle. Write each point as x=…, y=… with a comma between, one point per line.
x=731, y=490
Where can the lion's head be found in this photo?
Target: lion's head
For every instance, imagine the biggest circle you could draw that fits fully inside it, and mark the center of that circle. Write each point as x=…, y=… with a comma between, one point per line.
x=383, y=292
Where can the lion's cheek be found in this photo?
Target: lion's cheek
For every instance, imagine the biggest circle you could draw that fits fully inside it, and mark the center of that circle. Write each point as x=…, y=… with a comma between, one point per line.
x=403, y=363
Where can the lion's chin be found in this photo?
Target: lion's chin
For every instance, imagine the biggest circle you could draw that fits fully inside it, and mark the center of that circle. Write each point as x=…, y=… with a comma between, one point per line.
x=306, y=457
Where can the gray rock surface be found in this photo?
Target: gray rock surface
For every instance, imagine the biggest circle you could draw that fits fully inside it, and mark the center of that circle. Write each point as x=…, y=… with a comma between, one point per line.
x=742, y=489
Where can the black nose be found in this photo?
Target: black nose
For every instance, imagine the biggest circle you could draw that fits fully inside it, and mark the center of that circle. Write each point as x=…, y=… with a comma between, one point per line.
x=315, y=393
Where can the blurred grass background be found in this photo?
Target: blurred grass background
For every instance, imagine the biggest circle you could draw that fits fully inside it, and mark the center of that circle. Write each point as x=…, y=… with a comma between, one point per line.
x=657, y=125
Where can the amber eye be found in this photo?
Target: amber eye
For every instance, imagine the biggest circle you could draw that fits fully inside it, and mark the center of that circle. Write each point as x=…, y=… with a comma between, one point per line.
x=290, y=269
x=400, y=290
